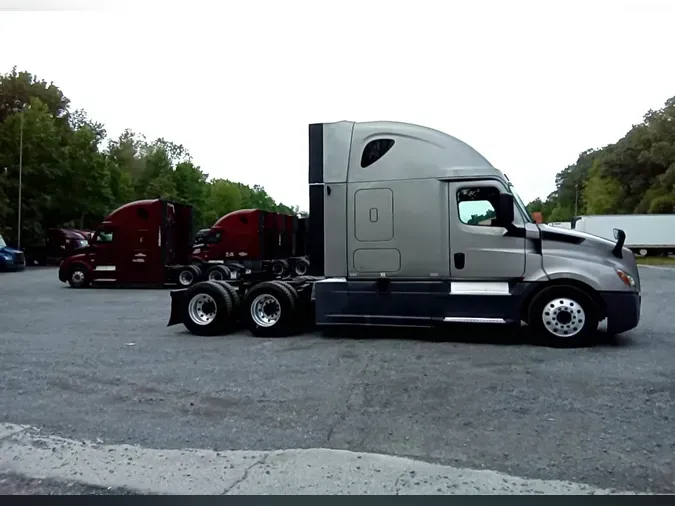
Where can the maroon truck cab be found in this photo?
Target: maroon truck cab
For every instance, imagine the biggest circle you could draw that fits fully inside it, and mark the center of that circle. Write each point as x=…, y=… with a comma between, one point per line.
x=252, y=240
x=244, y=235
x=139, y=243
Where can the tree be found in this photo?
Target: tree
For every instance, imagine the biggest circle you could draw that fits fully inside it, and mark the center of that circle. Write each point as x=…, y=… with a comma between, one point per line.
x=70, y=179
x=634, y=175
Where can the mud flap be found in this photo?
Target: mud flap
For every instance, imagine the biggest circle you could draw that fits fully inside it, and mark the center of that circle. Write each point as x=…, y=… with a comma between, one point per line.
x=177, y=301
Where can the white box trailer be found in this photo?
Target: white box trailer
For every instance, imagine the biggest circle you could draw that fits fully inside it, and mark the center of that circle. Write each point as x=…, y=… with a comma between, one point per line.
x=646, y=234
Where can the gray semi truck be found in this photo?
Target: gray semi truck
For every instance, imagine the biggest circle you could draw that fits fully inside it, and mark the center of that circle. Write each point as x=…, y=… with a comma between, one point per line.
x=409, y=226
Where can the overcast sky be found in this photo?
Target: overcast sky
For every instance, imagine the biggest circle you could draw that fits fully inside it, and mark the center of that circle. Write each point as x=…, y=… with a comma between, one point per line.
x=529, y=84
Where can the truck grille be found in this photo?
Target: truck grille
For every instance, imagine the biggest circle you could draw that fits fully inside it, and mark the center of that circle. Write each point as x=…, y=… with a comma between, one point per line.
x=19, y=258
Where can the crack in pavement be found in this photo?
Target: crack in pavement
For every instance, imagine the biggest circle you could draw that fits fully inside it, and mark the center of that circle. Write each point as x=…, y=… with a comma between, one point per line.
x=262, y=461
x=342, y=416
x=397, y=489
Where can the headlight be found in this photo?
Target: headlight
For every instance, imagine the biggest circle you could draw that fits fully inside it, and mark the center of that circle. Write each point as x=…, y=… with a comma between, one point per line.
x=6, y=258
x=625, y=277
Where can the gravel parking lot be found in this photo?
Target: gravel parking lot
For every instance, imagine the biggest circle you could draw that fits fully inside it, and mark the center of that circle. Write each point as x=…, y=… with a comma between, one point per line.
x=101, y=363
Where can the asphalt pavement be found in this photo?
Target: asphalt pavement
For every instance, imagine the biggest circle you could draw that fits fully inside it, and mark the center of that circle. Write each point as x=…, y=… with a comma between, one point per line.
x=100, y=364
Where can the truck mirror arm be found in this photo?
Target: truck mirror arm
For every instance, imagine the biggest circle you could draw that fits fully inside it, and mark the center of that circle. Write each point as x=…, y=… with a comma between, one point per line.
x=620, y=240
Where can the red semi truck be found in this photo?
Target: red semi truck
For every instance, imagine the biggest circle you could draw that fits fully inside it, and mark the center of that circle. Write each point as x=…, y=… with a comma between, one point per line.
x=149, y=242
x=252, y=241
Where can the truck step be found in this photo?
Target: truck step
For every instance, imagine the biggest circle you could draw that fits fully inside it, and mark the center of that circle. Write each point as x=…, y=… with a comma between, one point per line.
x=470, y=319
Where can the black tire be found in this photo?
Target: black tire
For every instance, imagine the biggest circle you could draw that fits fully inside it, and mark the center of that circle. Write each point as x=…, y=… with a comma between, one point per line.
x=301, y=267
x=279, y=267
x=188, y=276
x=290, y=291
x=217, y=273
x=208, y=309
x=199, y=269
x=275, y=298
x=234, y=295
x=79, y=276
x=571, y=319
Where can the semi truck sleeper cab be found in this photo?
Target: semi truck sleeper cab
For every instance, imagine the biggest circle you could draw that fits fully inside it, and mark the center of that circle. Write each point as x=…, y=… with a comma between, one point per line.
x=409, y=226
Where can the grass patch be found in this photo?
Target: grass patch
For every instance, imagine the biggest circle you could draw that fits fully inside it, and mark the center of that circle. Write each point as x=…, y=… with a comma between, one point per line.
x=655, y=260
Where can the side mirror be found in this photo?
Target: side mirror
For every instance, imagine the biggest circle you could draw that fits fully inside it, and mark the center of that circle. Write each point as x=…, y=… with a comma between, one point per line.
x=504, y=209
x=620, y=237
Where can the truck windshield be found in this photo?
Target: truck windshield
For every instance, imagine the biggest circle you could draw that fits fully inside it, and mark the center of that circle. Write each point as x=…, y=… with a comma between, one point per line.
x=3, y=244
x=521, y=206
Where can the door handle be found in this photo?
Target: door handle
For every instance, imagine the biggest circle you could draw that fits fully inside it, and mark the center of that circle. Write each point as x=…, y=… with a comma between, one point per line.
x=460, y=259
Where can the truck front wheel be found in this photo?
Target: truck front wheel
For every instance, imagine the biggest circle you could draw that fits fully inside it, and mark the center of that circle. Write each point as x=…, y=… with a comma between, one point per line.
x=269, y=310
x=563, y=316
x=79, y=277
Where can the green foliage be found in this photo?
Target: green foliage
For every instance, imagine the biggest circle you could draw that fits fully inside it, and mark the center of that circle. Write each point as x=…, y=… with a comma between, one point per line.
x=70, y=179
x=634, y=175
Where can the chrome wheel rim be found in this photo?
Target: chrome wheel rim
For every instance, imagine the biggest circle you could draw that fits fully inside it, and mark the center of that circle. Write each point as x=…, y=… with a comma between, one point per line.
x=265, y=310
x=202, y=309
x=78, y=277
x=300, y=269
x=563, y=317
x=277, y=269
x=185, y=278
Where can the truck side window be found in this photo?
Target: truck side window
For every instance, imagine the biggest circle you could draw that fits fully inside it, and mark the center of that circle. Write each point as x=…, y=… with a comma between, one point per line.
x=375, y=150
x=104, y=237
x=476, y=206
x=214, y=238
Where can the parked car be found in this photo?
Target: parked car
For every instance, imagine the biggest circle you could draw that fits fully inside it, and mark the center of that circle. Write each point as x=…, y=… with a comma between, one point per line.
x=11, y=259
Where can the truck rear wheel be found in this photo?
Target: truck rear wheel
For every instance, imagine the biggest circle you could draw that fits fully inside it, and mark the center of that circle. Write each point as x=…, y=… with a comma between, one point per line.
x=189, y=275
x=218, y=273
x=290, y=291
x=208, y=309
x=279, y=267
x=269, y=310
x=79, y=276
x=234, y=295
x=301, y=267
x=563, y=316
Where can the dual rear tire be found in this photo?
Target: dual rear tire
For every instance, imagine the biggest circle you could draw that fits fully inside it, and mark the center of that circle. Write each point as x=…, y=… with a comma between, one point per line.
x=269, y=309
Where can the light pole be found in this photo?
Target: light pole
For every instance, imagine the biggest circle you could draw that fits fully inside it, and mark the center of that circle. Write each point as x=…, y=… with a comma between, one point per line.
x=576, y=199
x=21, y=108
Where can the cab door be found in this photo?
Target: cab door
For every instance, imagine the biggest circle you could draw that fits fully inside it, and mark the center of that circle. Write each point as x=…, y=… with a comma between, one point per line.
x=481, y=250
x=140, y=258
x=102, y=254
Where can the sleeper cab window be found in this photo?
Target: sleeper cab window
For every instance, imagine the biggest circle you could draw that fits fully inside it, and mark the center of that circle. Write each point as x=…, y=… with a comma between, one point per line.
x=476, y=205
x=375, y=150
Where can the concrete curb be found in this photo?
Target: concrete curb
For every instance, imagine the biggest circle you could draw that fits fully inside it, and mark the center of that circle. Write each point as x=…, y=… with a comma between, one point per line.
x=25, y=451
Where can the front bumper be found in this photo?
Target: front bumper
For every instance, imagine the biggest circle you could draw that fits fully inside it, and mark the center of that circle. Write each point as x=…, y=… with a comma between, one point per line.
x=623, y=310
x=12, y=267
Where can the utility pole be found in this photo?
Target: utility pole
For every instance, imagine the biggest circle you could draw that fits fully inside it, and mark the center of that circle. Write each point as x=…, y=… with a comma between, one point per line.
x=18, y=226
x=576, y=199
